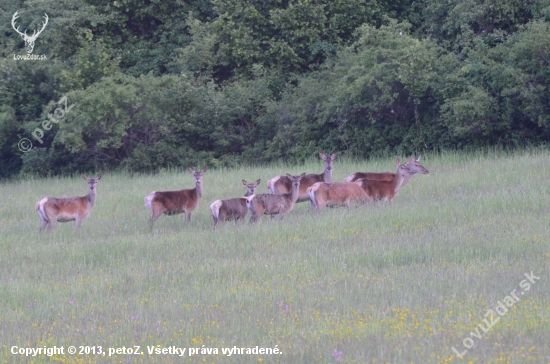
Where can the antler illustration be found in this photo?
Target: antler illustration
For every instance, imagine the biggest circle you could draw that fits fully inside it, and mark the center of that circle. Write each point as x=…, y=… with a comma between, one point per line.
x=29, y=40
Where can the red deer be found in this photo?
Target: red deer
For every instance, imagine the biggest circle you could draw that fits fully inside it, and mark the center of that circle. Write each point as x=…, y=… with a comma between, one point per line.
x=54, y=209
x=322, y=194
x=271, y=204
x=282, y=184
x=413, y=163
x=175, y=202
x=232, y=209
x=385, y=190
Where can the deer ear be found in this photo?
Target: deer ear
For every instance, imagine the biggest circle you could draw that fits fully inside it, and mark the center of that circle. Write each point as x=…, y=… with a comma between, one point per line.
x=288, y=175
x=98, y=177
x=334, y=155
x=191, y=170
x=418, y=159
x=86, y=177
x=322, y=155
x=244, y=182
x=203, y=170
x=258, y=181
x=302, y=175
x=397, y=161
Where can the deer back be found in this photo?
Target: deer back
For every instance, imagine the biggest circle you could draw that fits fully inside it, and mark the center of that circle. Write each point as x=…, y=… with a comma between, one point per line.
x=234, y=208
x=384, y=176
x=336, y=193
x=174, y=202
x=270, y=203
x=377, y=190
x=283, y=185
x=65, y=209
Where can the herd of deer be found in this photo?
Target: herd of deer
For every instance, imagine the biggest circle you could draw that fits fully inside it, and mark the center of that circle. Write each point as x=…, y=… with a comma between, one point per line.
x=285, y=191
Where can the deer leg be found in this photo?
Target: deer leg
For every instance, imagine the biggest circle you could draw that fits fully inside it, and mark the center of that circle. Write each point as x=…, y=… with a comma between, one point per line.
x=77, y=223
x=51, y=224
x=153, y=218
x=188, y=216
x=254, y=216
x=43, y=224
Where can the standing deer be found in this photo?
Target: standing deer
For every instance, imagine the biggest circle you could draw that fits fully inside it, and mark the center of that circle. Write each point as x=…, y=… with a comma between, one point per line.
x=176, y=202
x=54, y=209
x=232, y=209
x=322, y=194
x=386, y=190
x=413, y=164
x=271, y=204
x=283, y=185
x=29, y=40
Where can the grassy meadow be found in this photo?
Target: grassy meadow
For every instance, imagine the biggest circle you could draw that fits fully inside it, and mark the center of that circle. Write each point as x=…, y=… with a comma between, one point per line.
x=370, y=284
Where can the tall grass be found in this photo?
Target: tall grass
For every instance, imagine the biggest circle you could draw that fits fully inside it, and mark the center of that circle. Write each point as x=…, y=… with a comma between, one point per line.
x=370, y=284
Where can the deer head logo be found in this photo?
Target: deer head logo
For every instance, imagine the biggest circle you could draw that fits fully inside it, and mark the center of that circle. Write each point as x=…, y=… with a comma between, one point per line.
x=29, y=40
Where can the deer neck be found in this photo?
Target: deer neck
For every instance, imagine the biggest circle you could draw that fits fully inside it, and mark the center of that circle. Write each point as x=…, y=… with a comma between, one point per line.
x=327, y=175
x=406, y=180
x=248, y=194
x=91, y=198
x=199, y=189
x=397, y=180
x=294, y=195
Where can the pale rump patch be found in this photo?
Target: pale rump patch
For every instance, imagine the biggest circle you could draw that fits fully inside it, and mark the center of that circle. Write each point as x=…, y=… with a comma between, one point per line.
x=40, y=208
x=273, y=183
x=350, y=178
x=148, y=200
x=215, y=208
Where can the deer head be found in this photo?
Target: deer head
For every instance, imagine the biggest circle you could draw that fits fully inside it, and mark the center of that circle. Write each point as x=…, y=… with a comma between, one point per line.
x=29, y=40
x=92, y=182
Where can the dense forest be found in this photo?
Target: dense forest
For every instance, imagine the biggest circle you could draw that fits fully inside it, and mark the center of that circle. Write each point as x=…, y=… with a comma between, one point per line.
x=142, y=85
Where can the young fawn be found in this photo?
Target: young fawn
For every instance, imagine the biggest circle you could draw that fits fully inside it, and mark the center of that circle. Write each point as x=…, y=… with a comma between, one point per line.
x=271, y=204
x=282, y=184
x=232, y=209
x=412, y=163
x=175, y=202
x=54, y=209
x=322, y=194
x=385, y=190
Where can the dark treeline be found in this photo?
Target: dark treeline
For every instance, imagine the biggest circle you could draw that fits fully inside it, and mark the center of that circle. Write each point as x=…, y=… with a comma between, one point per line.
x=173, y=83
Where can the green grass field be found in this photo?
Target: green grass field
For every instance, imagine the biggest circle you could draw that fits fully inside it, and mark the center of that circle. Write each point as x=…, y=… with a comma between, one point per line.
x=370, y=284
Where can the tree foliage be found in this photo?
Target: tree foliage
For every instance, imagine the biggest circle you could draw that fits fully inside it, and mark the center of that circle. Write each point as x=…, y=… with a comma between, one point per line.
x=157, y=84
